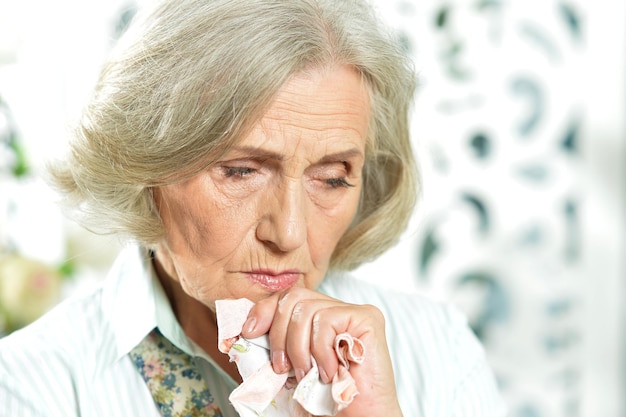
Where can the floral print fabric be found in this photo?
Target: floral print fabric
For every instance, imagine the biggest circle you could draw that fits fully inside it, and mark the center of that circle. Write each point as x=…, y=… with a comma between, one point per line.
x=173, y=378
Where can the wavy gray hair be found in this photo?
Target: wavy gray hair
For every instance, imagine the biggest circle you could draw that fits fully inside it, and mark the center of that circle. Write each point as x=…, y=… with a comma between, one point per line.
x=191, y=76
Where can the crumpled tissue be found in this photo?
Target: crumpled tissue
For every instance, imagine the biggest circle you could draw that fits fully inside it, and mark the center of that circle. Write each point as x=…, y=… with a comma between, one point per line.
x=266, y=393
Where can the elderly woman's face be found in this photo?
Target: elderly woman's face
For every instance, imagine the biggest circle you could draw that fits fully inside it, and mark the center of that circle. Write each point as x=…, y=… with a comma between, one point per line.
x=269, y=214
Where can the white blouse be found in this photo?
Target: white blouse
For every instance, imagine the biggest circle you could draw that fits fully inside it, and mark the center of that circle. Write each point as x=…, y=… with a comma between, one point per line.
x=74, y=360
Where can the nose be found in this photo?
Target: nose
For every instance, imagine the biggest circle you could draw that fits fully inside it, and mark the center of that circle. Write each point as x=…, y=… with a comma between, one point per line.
x=283, y=221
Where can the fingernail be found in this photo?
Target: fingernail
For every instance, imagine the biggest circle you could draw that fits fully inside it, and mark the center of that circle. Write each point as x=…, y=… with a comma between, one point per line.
x=279, y=362
x=249, y=325
x=299, y=374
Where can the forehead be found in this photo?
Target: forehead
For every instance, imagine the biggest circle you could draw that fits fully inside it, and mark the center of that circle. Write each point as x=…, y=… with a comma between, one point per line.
x=340, y=91
x=325, y=105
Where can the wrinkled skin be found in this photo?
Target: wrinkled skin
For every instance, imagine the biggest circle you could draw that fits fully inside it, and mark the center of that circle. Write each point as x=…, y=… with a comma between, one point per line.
x=263, y=222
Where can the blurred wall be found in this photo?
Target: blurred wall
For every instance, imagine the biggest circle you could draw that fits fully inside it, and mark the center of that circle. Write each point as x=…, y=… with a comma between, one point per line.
x=519, y=132
x=50, y=55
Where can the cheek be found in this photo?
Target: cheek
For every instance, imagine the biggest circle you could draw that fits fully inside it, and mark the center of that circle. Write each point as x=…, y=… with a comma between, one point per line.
x=323, y=240
x=205, y=228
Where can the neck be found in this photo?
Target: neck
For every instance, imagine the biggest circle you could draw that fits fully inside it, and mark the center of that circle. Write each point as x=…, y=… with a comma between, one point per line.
x=196, y=319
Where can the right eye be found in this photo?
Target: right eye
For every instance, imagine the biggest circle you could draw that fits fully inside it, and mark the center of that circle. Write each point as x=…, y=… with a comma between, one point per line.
x=237, y=172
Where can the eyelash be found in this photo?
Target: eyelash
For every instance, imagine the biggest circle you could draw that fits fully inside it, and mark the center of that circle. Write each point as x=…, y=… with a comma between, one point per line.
x=338, y=183
x=238, y=172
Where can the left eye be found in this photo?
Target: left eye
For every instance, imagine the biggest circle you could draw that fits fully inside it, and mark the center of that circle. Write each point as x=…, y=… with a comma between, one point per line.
x=237, y=172
x=338, y=183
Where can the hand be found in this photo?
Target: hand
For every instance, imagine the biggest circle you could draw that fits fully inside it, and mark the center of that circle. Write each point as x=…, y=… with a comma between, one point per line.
x=303, y=323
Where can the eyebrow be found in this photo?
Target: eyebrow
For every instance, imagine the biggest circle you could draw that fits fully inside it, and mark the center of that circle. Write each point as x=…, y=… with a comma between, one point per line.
x=263, y=154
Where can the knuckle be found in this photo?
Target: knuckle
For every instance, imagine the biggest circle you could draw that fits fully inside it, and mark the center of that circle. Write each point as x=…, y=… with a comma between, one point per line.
x=291, y=297
x=282, y=302
x=374, y=312
x=298, y=312
x=299, y=292
x=316, y=324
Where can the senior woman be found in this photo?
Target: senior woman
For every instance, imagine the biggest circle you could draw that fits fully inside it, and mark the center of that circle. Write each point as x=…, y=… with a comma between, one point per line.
x=253, y=149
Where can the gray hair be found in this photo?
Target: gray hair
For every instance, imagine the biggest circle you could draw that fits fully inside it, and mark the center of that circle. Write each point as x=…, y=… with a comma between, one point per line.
x=190, y=77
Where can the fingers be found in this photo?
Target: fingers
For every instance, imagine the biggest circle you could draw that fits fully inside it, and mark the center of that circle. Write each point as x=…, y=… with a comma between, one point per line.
x=303, y=324
x=260, y=318
x=309, y=333
x=323, y=333
x=291, y=333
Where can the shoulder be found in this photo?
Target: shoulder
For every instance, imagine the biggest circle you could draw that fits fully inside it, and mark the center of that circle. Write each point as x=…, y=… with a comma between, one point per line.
x=437, y=326
x=404, y=311
x=61, y=329
x=44, y=360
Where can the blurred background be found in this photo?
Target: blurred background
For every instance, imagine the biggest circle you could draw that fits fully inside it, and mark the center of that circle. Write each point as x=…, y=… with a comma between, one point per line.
x=519, y=131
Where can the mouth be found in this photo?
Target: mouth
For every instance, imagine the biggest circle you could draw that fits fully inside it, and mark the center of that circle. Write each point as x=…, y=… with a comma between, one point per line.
x=274, y=281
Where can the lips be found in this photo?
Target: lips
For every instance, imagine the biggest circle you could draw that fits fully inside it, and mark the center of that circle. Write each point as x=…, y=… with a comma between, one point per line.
x=274, y=282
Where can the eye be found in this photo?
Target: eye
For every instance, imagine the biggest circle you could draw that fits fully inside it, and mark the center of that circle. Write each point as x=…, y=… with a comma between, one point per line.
x=332, y=175
x=237, y=172
x=338, y=183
